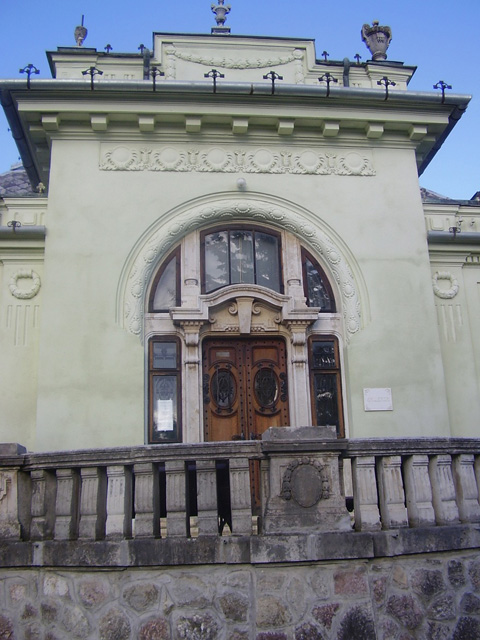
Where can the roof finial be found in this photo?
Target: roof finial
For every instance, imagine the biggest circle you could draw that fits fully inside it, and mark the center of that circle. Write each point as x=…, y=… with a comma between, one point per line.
x=80, y=34
x=221, y=11
x=377, y=39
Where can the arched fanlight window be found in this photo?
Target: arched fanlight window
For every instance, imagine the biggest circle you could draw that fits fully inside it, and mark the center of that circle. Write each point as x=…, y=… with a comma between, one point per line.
x=318, y=291
x=240, y=256
x=165, y=292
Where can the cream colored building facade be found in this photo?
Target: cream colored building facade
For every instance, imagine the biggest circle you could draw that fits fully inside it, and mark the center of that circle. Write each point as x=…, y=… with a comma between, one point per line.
x=214, y=255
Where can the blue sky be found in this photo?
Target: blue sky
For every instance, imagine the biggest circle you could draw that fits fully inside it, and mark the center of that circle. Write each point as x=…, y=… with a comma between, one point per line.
x=438, y=36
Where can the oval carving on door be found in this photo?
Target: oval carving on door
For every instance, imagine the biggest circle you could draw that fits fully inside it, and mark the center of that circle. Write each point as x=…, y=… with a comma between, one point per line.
x=266, y=388
x=223, y=389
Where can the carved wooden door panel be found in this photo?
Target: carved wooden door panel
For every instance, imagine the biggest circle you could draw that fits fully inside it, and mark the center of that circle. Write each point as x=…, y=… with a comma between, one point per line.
x=244, y=387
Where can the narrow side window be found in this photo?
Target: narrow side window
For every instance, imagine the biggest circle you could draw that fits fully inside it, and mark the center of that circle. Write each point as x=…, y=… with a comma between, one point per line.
x=164, y=405
x=325, y=381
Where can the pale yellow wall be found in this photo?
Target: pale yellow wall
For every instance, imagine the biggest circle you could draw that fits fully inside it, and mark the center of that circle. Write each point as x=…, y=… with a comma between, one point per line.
x=91, y=389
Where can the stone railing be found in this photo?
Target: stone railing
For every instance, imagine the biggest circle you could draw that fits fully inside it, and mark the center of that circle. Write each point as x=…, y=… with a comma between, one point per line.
x=170, y=494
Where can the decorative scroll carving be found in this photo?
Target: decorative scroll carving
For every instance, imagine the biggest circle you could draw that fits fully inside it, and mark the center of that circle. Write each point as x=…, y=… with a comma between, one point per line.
x=170, y=231
x=452, y=291
x=25, y=294
x=306, y=481
x=219, y=160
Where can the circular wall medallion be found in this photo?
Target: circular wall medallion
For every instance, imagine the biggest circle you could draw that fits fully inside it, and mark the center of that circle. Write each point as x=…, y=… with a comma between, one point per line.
x=309, y=161
x=216, y=159
x=169, y=158
x=263, y=160
x=441, y=292
x=27, y=293
x=122, y=157
x=354, y=162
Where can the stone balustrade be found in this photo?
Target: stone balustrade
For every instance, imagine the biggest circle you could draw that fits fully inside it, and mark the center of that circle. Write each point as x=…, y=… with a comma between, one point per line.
x=204, y=491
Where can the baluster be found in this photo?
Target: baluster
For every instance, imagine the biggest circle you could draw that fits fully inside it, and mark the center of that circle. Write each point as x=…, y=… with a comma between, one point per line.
x=240, y=497
x=147, y=500
x=176, y=499
x=93, y=503
x=43, y=504
x=9, y=515
x=365, y=496
x=66, y=504
x=466, y=488
x=390, y=492
x=418, y=491
x=443, y=489
x=119, y=502
x=207, y=498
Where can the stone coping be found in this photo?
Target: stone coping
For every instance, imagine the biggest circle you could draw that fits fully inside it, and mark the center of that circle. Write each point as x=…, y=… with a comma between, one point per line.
x=268, y=549
x=14, y=455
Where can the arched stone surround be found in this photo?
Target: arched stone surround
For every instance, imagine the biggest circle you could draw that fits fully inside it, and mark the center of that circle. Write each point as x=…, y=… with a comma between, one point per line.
x=173, y=225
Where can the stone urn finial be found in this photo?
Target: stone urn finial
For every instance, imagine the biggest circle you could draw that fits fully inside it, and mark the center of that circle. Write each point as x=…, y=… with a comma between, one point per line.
x=377, y=39
x=221, y=11
x=80, y=33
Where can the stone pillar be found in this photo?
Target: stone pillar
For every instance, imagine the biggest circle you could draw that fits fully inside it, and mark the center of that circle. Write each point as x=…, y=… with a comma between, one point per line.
x=207, y=498
x=147, y=500
x=299, y=384
x=418, y=491
x=66, y=504
x=119, y=502
x=365, y=495
x=93, y=501
x=9, y=515
x=176, y=498
x=240, y=497
x=390, y=492
x=466, y=488
x=43, y=504
x=192, y=388
x=443, y=489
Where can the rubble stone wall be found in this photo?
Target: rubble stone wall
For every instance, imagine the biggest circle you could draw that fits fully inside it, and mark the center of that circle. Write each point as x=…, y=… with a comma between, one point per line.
x=430, y=596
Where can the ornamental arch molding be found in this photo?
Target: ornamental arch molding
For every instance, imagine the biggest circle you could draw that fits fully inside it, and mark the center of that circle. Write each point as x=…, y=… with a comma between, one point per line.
x=171, y=227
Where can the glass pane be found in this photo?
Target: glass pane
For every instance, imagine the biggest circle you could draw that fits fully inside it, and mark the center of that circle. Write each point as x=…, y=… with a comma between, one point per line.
x=317, y=293
x=326, y=404
x=267, y=261
x=216, y=261
x=164, y=355
x=266, y=387
x=241, y=257
x=324, y=354
x=166, y=292
x=164, y=403
x=223, y=389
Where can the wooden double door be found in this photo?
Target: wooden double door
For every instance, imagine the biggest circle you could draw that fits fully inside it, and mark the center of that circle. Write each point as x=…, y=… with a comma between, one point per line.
x=245, y=387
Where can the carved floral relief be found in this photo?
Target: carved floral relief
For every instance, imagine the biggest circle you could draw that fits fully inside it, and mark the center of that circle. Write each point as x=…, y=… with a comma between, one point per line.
x=219, y=160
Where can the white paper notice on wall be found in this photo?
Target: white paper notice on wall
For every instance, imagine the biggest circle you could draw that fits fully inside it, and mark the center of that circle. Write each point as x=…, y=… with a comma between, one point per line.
x=378, y=399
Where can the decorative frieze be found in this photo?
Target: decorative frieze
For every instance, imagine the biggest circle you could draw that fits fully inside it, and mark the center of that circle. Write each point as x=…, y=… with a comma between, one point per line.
x=222, y=160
